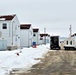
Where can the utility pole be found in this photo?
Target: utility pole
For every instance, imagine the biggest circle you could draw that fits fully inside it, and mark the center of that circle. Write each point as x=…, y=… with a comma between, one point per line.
x=70, y=30
x=45, y=35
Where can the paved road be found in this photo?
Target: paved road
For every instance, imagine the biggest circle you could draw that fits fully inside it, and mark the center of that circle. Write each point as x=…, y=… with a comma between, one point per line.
x=54, y=63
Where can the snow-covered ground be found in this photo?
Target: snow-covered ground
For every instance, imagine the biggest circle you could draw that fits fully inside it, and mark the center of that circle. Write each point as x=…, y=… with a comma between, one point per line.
x=25, y=59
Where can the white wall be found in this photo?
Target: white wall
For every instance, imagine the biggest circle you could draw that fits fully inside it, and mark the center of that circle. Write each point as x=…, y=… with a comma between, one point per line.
x=30, y=36
x=69, y=39
x=16, y=31
x=26, y=37
x=7, y=33
x=74, y=38
x=47, y=39
x=36, y=38
x=41, y=41
x=44, y=39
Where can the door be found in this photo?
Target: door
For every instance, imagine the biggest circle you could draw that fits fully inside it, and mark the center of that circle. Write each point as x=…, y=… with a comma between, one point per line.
x=3, y=44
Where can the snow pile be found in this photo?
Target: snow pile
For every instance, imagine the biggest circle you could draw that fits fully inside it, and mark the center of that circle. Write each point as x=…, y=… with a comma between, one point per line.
x=21, y=58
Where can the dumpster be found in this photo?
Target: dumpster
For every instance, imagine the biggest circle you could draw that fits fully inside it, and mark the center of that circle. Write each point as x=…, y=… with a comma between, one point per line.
x=34, y=44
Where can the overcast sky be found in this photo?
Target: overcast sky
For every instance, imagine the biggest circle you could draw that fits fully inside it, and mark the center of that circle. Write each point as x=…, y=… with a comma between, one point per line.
x=54, y=15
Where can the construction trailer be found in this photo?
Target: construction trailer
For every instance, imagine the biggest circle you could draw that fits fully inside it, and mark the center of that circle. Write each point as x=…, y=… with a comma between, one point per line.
x=70, y=43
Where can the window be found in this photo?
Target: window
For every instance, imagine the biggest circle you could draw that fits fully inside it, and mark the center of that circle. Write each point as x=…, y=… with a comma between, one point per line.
x=67, y=42
x=4, y=26
x=34, y=35
x=70, y=42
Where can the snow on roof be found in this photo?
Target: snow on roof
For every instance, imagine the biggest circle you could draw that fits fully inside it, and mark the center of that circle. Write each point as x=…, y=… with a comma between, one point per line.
x=7, y=17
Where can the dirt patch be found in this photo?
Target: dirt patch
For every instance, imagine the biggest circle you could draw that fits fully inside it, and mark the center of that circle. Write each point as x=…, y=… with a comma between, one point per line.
x=54, y=63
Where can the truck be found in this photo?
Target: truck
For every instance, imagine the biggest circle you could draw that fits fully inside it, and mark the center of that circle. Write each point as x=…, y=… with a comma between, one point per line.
x=54, y=42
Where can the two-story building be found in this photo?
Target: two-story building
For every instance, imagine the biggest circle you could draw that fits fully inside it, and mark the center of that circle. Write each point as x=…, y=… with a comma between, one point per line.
x=9, y=32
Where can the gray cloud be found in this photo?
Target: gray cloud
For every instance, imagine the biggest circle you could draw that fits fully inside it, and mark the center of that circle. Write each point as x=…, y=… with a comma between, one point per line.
x=43, y=13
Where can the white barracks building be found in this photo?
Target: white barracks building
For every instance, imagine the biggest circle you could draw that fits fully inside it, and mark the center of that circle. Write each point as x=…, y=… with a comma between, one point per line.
x=9, y=32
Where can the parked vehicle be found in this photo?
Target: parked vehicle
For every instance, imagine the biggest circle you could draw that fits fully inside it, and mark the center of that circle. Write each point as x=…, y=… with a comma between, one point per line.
x=54, y=42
